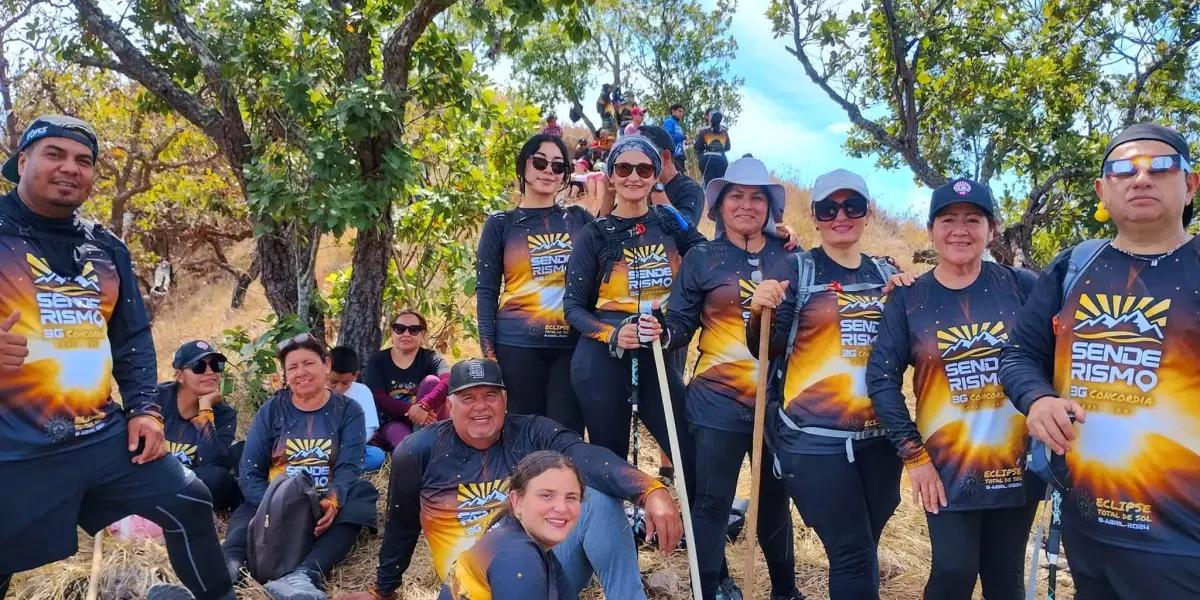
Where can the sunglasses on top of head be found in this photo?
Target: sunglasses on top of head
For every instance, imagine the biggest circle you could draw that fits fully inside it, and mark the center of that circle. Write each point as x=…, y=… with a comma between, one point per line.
x=401, y=328
x=202, y=366
x=299, y=339
x=826, y=210
x=1128, y=167
x=644, y=170
x=557, y=167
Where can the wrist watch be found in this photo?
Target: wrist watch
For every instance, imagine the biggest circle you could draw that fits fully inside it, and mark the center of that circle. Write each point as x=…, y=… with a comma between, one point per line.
x=659, y=187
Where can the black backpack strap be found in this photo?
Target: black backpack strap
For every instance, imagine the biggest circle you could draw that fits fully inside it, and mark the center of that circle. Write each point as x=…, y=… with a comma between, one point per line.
x=614, y=244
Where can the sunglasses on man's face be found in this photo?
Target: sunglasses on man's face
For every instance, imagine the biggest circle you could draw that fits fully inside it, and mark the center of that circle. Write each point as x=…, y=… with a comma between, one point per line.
x=826, y=210
x=644, y=170
x=202, y=366
x=1128, y=167
x=401, y=328
x=557, y=167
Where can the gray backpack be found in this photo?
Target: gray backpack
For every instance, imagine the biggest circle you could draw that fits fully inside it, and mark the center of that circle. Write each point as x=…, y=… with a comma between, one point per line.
x=281, y=532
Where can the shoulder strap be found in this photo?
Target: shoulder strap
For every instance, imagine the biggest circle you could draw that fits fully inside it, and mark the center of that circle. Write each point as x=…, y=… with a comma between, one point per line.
x=806, y=274
x=1081, y=258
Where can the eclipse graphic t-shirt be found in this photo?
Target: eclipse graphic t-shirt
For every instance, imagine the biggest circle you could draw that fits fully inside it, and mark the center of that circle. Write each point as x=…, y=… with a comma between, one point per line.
x=964, y=424
x=1125, y=345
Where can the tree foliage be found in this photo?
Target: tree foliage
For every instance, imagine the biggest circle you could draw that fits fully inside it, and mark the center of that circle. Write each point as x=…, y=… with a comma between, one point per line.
x=658, y=52
x=1024, y=93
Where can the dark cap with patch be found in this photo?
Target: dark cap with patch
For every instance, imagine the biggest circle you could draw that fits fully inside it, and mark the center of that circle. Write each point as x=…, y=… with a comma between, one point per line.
x=1156, y=133
x=474, y=373
x=51, y=126
x=962, y=190
x=193, y=352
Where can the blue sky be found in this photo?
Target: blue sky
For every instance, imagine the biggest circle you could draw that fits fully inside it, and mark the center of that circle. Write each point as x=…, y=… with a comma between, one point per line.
x=786, y=120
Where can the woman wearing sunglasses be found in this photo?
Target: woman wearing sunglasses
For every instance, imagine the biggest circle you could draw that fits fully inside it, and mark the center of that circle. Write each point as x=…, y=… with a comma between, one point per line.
x=965, y=451
x=408, y=381
x=622, y=265
x=838, y=467
x=712, y=293
x=306, y=429
x=198, y=426
x=520, y=273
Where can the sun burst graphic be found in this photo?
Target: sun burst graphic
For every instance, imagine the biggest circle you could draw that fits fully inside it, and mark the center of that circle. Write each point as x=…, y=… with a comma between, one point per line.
x=975, y=340
x=549, y=244
x=1121, y=319
x=647, y=257
x=859, y=306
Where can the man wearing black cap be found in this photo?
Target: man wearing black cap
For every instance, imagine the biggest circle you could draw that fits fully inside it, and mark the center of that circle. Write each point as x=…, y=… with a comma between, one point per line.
x=1110, y=338
x=447, y=480
x=674, y=187
x=71, y=320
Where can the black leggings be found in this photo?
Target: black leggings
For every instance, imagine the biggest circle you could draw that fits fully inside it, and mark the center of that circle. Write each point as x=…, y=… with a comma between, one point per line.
x=1106, y=572
x=984, y=544
x=602, y=384
x=847, y=504
x=538, y=381
x=721, y=454
x=329, y=550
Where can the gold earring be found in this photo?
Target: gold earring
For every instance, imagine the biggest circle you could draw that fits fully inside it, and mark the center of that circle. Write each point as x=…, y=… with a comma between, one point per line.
x=1102, y=213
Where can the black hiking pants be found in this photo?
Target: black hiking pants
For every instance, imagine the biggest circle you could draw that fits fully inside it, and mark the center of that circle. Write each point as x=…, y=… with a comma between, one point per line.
x=329, y=549
x=538, y=381
x=988, y=545
x=1107, y=572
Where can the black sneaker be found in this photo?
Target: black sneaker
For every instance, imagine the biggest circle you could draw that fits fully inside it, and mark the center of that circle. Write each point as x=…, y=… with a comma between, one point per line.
x=168, y=591
x=729, y=590
x=792, y=595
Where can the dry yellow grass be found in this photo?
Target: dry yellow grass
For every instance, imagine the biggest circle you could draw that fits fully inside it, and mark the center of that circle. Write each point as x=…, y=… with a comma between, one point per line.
x=199, y=309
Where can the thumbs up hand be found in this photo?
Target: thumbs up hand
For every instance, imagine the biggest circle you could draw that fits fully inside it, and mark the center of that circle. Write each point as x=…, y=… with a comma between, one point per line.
x=13, y=347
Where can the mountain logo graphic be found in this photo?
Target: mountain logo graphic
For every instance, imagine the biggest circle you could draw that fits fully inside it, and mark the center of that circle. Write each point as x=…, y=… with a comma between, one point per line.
x=549, y=244
x=647, y=257
x=971, y=341
x=1121, y=319
x=87, y=283
x=747, y=288
x=474, y=498
x=309, y=452
x=860, y=307
x=186, y=453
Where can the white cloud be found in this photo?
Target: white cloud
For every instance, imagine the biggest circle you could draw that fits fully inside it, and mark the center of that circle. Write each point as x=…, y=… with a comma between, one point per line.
x=839, y=128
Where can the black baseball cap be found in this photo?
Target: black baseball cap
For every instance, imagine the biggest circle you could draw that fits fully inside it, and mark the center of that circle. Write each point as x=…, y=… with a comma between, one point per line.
x=658, y=136
x=1157, y=133
x=48, y=126
x=193, y=352
x=474, y=373
x=962, y=190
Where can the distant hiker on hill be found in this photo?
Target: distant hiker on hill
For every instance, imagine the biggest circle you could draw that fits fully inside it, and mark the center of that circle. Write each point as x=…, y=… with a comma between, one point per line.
x=830, y=447
x=200, y=427
x=306, y=430
x=711, y=295
x=552, y=127
x=449, y=479
x=407, y=380
x=520, y=272
x=674, y=126
x=71, y=322
x=711, y=144
x=637, y=116
x=605, y=108
x=1109, y=337
x=965, y=451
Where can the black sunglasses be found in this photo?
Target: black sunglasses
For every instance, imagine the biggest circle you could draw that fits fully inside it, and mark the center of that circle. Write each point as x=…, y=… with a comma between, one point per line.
x=217, y=365
x=400, y=328
x=644, y=170
x=557, y=167
x=826, y=210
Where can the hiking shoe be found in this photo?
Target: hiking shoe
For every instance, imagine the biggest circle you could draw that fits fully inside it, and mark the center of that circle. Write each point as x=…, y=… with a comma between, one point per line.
x=235, y=570
x=294, y=586
x=169, y=591
x=728, y=590
x=792, y=595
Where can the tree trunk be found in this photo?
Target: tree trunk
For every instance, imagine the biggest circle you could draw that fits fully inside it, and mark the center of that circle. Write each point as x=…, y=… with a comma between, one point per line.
x=364, y=298
x=243, y=282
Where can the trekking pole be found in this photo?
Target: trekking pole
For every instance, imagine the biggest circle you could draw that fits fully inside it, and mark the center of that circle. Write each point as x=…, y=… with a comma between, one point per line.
x=97, y=558
x=1053, y=540
x=677, y=459
x=633, y=401
x=756, y=450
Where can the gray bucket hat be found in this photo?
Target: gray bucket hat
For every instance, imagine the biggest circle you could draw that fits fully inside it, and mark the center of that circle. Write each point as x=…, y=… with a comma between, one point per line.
x=746, y=170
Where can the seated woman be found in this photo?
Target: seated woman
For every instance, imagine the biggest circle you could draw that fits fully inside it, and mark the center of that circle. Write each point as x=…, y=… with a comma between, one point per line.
x=306, y=428
x=199, y=427
x=513, y=559
x=408, y=382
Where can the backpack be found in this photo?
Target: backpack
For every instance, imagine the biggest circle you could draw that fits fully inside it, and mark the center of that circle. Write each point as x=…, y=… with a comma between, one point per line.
x=281, y=531
x=806, y=271
x=669, y=219
x=1082, y=257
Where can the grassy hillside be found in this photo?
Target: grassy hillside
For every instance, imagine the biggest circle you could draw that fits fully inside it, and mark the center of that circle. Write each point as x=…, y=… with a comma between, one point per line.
x=199, y=309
